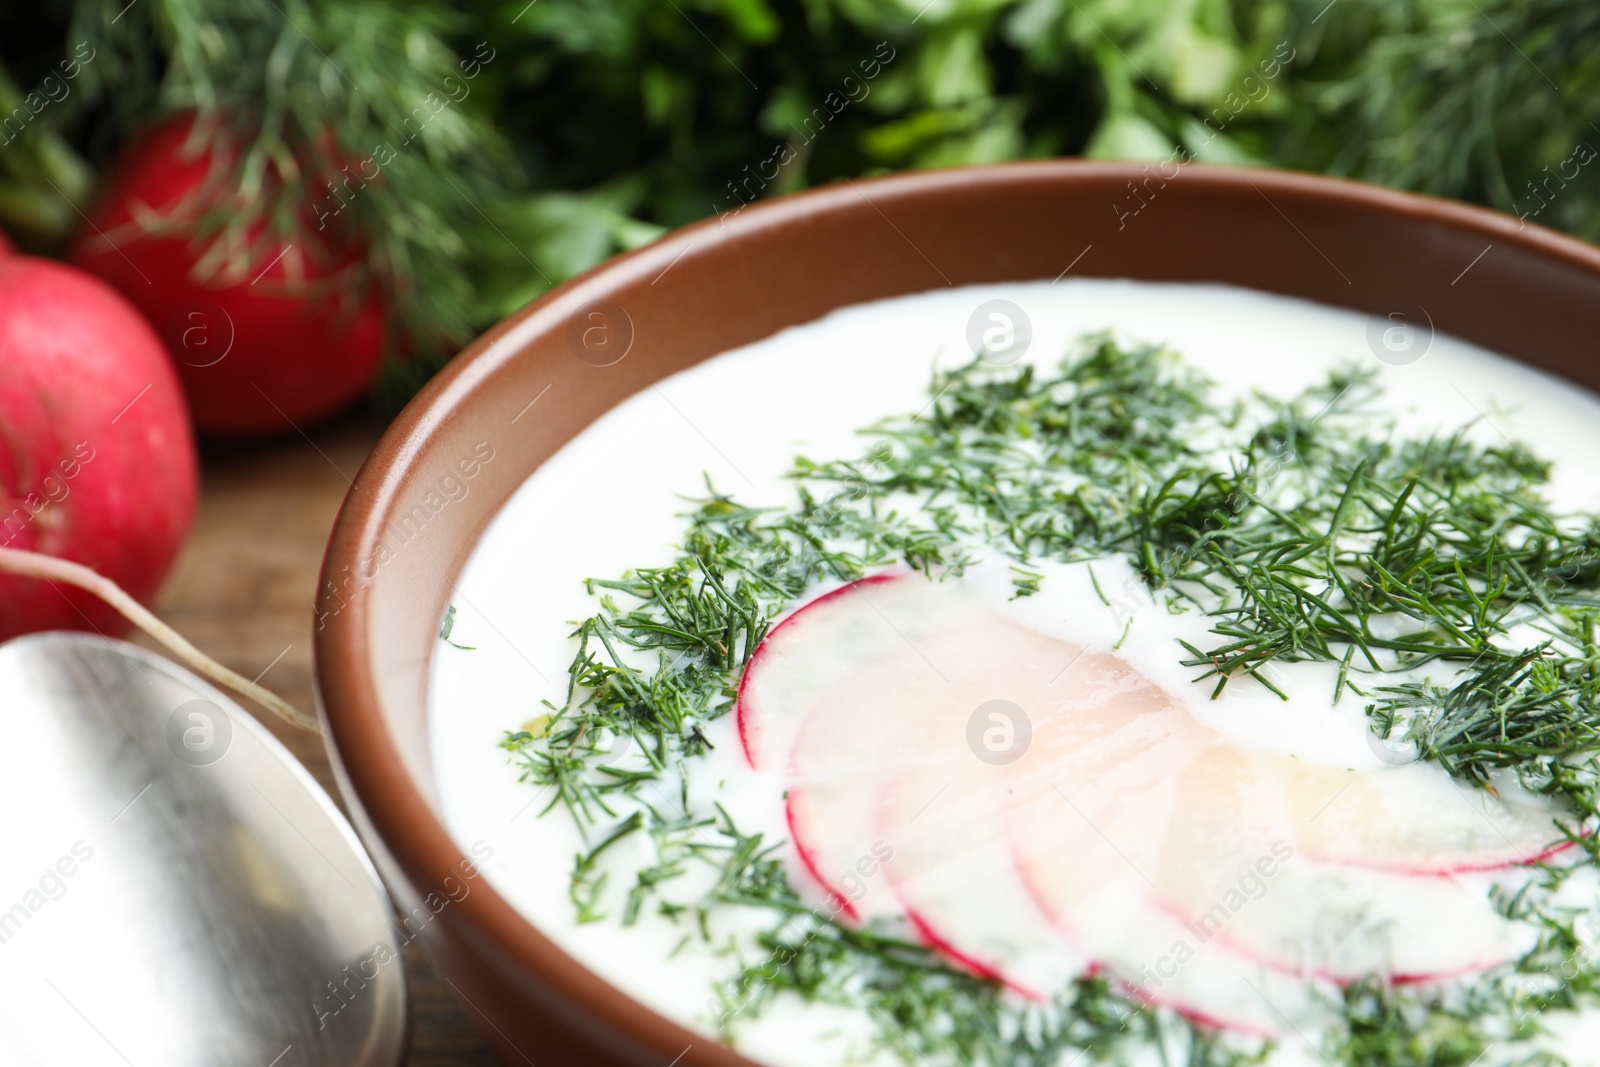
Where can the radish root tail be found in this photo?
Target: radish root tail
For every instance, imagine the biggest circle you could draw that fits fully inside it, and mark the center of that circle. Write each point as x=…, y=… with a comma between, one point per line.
x=52, y=569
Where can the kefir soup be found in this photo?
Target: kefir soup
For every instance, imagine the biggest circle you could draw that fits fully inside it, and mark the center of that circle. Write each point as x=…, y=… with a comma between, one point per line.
x=1043, y=674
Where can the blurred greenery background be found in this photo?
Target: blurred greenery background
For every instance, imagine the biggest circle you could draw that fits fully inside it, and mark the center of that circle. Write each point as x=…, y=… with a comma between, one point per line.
x=531, y=140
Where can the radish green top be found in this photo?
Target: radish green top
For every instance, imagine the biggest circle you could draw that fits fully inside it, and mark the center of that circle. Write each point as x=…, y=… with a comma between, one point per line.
x=1305, y=677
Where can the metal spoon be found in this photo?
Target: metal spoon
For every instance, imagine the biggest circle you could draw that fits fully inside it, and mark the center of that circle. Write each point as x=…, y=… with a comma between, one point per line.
x=175, y=889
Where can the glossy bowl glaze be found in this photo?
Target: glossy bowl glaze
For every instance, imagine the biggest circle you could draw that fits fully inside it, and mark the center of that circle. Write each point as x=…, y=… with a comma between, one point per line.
x=532, y=383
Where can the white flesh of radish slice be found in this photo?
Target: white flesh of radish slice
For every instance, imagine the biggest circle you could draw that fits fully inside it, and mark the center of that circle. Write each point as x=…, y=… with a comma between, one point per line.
x=1088, y=844
x=1332, y=920
x=1119, y=831
x=1431, y=823
x=989, y=925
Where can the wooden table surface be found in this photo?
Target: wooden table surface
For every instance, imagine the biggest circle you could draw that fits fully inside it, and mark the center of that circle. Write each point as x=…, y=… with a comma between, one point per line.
x=242, y=590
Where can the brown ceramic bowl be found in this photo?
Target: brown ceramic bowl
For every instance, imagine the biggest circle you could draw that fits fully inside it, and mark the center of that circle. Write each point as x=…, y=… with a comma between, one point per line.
x=398, y=545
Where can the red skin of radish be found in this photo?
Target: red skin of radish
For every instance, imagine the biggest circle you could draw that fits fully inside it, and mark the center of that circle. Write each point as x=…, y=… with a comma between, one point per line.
x=97, y=459
x=930, y=936
x=1447, y=870
x=293, y=355
x=1342, y=980
x=808, y=860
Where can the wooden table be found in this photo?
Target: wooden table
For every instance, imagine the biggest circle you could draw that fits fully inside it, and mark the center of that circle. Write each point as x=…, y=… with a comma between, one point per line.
x=241, y=591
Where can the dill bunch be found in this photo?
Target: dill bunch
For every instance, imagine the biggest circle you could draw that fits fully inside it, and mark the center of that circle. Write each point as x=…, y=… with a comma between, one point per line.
x=309, y=94
x=41, y=176
x=597, y=123
x=1494, y=101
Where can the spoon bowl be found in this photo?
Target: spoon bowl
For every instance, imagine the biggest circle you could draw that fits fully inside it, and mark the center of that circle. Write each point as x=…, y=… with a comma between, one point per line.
x=175, y=889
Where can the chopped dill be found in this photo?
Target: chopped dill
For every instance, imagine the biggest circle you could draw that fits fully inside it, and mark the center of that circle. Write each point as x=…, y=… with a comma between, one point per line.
x=1301, y=529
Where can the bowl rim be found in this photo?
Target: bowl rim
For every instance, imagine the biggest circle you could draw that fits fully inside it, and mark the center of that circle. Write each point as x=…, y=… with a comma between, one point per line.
x=372, y=772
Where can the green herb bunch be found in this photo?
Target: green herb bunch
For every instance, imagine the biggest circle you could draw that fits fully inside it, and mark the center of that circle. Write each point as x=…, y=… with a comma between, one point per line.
x=359, y=121
x=1496, y=103
x=599, y=122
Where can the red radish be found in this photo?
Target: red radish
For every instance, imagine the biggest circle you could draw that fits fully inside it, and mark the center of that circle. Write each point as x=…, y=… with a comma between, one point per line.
x=289, y=335
x=97, y=460
x=6, y=247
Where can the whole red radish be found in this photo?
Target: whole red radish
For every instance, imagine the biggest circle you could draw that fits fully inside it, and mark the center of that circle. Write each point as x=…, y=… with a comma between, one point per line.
x=97, y=459
x=267, y=336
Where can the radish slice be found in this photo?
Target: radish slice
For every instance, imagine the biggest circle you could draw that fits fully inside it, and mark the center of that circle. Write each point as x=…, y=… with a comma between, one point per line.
x=1228, y=868
x=858, y=658
x=792, y=667
x=955, y=878
x=1106, y=826
x=1088, y=844
x=1411, y=819
x=857, y=652
x=951, y=876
